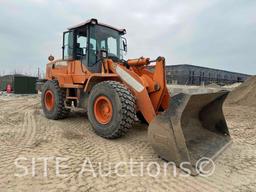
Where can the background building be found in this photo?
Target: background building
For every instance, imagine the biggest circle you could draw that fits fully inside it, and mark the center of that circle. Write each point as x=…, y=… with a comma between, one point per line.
x=186, y=74
x=20, y=84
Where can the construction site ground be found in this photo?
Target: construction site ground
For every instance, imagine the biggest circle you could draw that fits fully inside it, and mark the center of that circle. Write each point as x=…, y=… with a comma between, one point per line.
x=26, y=134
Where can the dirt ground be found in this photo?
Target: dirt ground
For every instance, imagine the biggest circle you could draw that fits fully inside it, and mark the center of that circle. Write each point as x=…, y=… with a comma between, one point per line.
x=26, y=134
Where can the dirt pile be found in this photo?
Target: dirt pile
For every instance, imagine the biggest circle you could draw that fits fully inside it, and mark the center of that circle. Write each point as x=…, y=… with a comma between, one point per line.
x=245, y=94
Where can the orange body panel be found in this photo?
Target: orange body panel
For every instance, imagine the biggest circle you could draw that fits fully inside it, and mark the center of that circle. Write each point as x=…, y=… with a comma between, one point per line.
x=148, y=87
x=159, y=78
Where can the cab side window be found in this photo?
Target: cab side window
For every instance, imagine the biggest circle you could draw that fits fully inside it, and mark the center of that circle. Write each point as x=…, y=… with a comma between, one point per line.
x=92, y=52
x=112, y=46
x=81, y=45
x=68, y=40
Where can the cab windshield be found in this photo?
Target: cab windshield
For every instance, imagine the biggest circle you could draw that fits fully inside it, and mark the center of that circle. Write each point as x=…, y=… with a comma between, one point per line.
x=103, y=38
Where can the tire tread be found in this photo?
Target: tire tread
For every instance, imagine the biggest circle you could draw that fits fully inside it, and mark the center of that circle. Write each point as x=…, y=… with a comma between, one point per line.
x=128, y=110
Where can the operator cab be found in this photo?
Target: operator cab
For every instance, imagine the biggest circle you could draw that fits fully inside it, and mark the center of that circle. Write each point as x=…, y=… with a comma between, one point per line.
x=91, y=41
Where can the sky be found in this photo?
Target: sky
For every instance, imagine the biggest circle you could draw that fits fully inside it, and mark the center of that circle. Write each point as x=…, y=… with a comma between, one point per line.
x=217, y=34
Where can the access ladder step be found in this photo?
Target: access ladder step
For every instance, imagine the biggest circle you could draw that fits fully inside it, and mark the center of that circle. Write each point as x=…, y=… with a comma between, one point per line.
x=72, y=86
x=73, y=98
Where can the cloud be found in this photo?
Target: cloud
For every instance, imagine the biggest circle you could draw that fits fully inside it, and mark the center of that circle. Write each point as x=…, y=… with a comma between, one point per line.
x=218, y=34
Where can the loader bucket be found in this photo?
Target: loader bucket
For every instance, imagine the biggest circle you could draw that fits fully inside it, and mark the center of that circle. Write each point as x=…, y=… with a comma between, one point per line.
x=193, y=127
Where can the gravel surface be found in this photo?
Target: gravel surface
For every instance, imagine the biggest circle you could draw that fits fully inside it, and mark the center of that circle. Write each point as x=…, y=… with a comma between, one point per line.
x=26, y=134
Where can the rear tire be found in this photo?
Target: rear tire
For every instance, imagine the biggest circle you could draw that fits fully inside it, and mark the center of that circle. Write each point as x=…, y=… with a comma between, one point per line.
x=52, y=100
x=121, y=109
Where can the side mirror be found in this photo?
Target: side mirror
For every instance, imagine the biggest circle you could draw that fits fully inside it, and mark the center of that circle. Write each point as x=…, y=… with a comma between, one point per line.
x=124, y=43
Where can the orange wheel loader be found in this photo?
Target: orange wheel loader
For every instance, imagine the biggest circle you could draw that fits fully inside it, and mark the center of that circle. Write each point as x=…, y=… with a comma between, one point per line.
x=93, y=75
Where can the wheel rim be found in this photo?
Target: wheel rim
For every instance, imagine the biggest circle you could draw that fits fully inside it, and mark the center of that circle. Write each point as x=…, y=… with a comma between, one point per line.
x=103, y=110
x=49, y=100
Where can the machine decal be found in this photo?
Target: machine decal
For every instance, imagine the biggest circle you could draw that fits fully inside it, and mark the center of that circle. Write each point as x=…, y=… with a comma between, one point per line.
x=61, y=63
x=129, y=79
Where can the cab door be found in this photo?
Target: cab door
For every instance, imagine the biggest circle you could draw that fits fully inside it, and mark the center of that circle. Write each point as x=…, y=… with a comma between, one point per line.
x=68, y=45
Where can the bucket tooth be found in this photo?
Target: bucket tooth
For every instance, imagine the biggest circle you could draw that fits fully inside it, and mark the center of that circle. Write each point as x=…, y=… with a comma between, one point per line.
x=191, y=128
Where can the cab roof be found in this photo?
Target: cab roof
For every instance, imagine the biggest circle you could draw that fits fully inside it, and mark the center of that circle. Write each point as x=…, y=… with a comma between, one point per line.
x=95, y=21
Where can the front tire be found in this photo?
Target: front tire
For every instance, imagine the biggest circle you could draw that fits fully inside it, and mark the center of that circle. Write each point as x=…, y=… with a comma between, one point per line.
x=111, y=109
x=52, y=100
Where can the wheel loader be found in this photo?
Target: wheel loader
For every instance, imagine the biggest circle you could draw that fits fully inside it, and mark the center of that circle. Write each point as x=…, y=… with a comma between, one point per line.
x=93, y=75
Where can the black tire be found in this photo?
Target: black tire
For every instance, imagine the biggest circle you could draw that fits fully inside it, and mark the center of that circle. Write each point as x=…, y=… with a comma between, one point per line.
x=123, y=107
x=59, y=111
